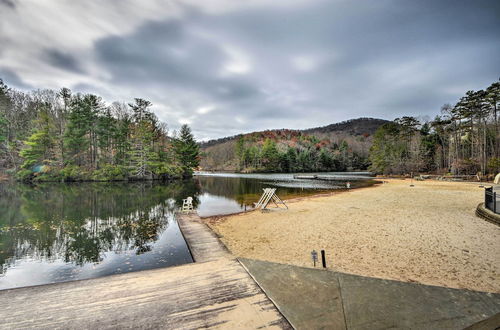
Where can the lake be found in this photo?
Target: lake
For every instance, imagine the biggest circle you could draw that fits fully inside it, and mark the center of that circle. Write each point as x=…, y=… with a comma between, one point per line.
x=55, y=232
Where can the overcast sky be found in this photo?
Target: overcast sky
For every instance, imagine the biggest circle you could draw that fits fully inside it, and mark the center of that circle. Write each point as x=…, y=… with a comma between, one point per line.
x=227, y=67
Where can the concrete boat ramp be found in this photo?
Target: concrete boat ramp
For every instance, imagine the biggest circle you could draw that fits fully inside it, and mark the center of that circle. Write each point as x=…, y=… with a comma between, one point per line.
x=214, y=292
x=219, y=291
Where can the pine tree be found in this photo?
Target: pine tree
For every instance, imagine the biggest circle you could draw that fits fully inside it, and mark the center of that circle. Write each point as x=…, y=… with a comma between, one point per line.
x=240, y=151
x=141, y=153
x=326, y=160
x=5, y=131
x=77, y=137
x=106, y=131
x=493, y=98
x=187, y=151
x=5, y=105
x=40, y=143
x=3, y=139
x=122, y=141
x=270, y=156
x=61, y=114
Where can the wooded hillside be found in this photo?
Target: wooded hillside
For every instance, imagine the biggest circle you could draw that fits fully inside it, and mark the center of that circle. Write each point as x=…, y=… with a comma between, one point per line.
x=463, y=139
x=336, y=147
x=48, y=135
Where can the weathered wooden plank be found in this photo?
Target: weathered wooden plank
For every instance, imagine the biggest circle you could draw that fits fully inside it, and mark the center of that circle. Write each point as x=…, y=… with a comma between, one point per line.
x=203, y=242
x=215, y=292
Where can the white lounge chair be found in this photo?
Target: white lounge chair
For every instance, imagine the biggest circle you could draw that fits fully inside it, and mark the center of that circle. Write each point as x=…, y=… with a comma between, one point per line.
x=187, y=204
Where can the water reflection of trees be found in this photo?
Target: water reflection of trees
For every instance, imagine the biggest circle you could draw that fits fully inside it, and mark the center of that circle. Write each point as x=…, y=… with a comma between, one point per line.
x=246, y=191
x=79, y=222
x=243, y=190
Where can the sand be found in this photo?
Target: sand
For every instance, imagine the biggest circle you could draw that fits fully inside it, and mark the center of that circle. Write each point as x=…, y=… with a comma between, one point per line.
x=426, y=234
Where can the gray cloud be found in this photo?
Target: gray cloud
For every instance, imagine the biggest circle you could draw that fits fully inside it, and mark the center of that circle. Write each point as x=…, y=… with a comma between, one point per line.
x=12, y=79
x=8, y=3
x=299, y=66
x=62, y=60
x=169, y=54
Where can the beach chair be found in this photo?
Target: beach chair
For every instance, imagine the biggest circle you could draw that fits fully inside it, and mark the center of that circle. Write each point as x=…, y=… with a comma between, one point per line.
x=268, y=196
x=187, y=204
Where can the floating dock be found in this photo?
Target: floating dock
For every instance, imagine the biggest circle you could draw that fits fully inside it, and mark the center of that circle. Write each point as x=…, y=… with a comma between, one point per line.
x=307, y=177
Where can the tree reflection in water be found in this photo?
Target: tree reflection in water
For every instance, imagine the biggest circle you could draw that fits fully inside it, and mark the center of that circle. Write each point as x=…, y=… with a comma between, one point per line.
x=58, y=231
x=79, y=223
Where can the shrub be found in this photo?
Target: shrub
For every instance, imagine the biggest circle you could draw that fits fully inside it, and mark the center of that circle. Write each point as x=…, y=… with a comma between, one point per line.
x=24, y=175
x=167, y=171
x=466, y=166
x=494, y=165
x=71, y=173
x=110, y=173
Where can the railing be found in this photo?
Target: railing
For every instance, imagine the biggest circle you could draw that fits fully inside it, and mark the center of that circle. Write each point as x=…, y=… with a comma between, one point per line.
x=490, y=200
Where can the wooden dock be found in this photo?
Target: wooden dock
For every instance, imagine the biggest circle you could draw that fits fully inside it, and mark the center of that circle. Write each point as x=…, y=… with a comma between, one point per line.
x=308, y=177
x=214, y=292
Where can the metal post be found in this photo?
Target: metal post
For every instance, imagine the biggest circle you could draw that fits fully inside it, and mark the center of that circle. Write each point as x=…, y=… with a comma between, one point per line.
x=495, y=202
x=323, y=258
x=314, y=256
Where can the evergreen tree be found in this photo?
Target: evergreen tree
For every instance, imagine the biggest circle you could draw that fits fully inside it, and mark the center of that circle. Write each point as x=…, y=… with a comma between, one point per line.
x=122, y=140
x=142, y=136
x=240, y=152
x=493, y=98
x=106, y=130
x=291, y=155
x=187, y=151
x=5, y=105
x=388, y=149
x=3, y=130
x=40, y=143
x=305, y=161
x=76, y=138
x=61, y=114
x=326, y=160
x=3, y=139
x=270, y=156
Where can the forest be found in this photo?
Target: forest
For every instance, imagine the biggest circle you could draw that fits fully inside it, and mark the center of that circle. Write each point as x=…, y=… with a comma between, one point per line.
x=341, y=146
x=293, y=151
x=48, y=135
x=463, y=139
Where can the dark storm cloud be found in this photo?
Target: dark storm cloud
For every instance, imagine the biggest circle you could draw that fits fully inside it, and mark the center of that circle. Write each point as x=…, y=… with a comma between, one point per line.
x=169, y=53
x=62, y=60
x=8, y=3
x=380, y=59
x=12, y=79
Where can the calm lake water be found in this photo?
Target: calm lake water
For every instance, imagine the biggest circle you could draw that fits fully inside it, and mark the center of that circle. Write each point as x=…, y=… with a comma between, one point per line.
x=55, y=232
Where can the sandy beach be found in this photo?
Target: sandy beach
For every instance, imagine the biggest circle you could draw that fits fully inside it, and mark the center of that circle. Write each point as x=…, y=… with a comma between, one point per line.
x=427, y=234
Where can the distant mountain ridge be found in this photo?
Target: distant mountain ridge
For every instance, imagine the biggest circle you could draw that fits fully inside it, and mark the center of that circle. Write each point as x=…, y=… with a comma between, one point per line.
x=358, y=126
x=347, y=144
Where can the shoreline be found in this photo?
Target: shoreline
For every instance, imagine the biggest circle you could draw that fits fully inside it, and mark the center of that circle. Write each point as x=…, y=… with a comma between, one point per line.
x=426, y=234
x=294, y=200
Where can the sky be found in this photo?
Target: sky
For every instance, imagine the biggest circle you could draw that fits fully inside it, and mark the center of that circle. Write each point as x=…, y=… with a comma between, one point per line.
x=227, y=67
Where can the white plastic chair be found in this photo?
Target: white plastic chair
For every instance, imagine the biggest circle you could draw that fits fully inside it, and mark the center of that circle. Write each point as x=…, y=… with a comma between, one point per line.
x=187, y=204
